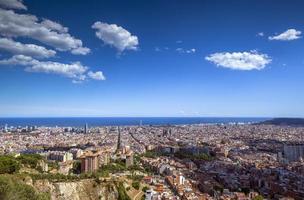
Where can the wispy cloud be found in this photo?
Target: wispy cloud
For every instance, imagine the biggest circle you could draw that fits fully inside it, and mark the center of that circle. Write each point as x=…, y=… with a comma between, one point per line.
x=188, y=51
x=75, y=71
x=14, y=47
x=260, y=34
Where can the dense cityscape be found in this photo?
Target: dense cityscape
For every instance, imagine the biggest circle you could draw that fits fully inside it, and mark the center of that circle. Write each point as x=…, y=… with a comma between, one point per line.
x=203, y=161
x=151, y=100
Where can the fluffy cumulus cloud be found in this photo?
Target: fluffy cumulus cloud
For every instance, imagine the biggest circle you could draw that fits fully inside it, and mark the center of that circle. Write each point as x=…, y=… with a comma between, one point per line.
x=48, y=32
x=76, y=70
x=240, y=60
x=12, y=4
x=33, y=50
x=81, y=51
x=116, y=36
x=19, y=60
x=181, y=50
x=54, y=26
x=96, y=75
x=290, y=34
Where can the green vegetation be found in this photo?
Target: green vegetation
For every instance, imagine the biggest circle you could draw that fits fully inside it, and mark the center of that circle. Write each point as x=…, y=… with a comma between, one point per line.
x=8, y=165
x=145, y=188
x=11, y=188
x=113, y=168
x=245, y=190
x=30, y=160
x=154, y=154
x=259, y=197
x=134, y=168
x=218, y=188
x=122, y=194
x=135, y=177
x=148, y=169
x=54, y=177
x=136, y=185
x=76, y=167
x=179, y=154
x=201, y=156
x=136, y=159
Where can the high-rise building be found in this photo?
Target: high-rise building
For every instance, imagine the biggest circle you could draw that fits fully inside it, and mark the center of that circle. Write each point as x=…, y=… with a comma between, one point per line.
x=5, y=128
x=129, y=160
x=293, y=152
x=60, y=156
x=89, y=162
x=86, y=128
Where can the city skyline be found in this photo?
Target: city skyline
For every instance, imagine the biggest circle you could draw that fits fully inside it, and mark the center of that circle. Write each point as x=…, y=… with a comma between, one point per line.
x=155, y=59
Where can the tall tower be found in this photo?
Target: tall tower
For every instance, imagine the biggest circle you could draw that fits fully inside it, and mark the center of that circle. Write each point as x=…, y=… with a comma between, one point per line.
x=5, y=128
x=86, y=128
x=118, y=140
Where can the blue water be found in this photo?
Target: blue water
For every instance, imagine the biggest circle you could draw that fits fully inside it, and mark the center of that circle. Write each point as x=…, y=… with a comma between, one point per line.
x=116, y=121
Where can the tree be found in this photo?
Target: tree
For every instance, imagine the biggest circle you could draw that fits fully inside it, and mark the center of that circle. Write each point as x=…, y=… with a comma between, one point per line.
x=29, y=159
x=145, y=188
x=8, y=165
x=11, y=189
x=259, y=197
x=122, y=194
x=136, y=185
x=76, y=167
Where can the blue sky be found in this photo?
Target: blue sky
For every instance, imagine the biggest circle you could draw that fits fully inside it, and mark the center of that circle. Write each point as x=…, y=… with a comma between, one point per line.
x=151, y=58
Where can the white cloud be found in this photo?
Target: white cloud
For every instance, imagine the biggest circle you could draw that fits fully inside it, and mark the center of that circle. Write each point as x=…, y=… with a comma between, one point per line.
x=240, y=60
x=181, y=50
x=261, y=34
x=290, y=34
x=19, y=60
x=75, y=70
x=54, y=26
x=116, y=36
x=33, y=50
x=159, y=49
x=81, y=51
x=12, y=4
x=96, y=75
x=25, y=25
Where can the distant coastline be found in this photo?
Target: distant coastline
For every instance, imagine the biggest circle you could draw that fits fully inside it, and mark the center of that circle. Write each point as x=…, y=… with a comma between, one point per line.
x=285, y=121
x=120, y=121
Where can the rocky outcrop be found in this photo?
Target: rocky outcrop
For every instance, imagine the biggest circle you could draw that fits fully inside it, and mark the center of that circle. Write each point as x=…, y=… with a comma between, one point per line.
x=87, y=189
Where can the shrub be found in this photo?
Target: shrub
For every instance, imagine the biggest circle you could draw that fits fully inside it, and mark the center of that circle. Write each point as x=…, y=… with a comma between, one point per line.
x=259, y=197
x=145, y=189
x=8, y=164
x=29, y=159
x=136, y=185
x=11, y=189
x=122, y=194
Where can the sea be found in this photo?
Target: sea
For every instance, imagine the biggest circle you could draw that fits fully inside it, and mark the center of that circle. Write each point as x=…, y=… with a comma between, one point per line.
x=120, y=121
